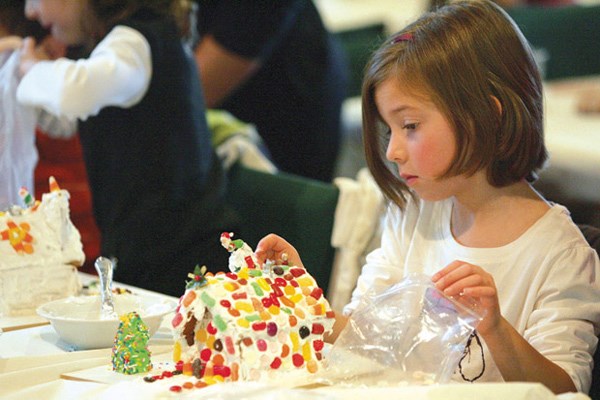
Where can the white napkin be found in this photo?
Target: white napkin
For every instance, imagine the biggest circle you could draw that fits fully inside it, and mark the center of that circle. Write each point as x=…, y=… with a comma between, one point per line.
x=356, y=224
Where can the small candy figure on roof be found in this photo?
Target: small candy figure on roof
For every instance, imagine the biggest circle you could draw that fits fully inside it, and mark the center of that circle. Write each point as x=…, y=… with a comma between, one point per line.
x=130, y=354
x=242, y=255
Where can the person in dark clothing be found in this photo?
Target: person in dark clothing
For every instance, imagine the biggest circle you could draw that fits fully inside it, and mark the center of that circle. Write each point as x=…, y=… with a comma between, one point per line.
x=157, y=185
x=275, y=65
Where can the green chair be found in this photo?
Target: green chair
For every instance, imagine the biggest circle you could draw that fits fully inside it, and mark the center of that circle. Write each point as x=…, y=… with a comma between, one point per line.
x=300, y=210
x=569, y=36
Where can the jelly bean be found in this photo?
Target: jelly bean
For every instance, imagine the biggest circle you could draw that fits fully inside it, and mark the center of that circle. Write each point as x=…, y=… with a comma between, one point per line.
x=294, y=283
x=288, y=277
x=305, y=280
x=229, y=345
x=239, y=296
x=205, y=354
x=225, y=303
x=330, y=314
x=243, y=282
x=289, y=290
x=220, y=323
x=317, y=329
x=285, y=350
x=243, y=322
x=235, y=371
x=312, y=366
x=274, y=310
x=261, y=345
x=200, y=384
x=296, y=272
x=209, y=301
x=179, y=365
x=175, y=388
x=318, y=345
x=297, y=360
x=188, y=298
x=257, y=304
x=233, y=312
x=252, y=317
x=231, y=276
x=201, y=335
x=306, y=353
x=317, y=293
x=287, y=302
x=259, y=326
x=265, y=316
x=266, y=302
x=263, y=284
x=293, y=320
x=222, y=370
x=247, y=341
x=277, y=270
x=210, y=328
x=244, y=306
x=259, y=292
x=271, y=329
x=177, y=320
x=167, y=374
x=304, y=331
x=295, y=341
x=254, y=272
x=276, y=363
x=187, y=369
x=218, y=346
x=218, y=359
x=299, y=313
x=274, y=298
x=176, y=351
x=311, y=301
x=280, y=282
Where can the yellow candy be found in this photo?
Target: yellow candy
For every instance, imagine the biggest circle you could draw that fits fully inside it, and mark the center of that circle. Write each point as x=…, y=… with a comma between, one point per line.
x=312, y=366
x=243, y=273
x=243, y=322
x=274, y=310
x=177, y=352
x=201, y=335
x=231, y=286
x=263, y=284
x=289, y=290
x=305, y=280
x=297, y=298
x=299, y=313
x=306, y=353
x=295, y=341
x=244, y=306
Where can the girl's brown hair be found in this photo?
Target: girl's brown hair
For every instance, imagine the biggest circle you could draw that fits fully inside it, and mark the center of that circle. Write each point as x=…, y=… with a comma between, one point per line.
x=104, y=14
x=465, y=57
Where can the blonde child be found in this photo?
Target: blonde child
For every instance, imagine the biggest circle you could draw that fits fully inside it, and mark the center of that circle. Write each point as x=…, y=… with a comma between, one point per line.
x=454, y=102
x=156, y=183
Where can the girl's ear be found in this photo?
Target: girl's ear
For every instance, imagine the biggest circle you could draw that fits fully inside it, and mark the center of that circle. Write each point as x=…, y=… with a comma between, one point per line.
x=498, y=104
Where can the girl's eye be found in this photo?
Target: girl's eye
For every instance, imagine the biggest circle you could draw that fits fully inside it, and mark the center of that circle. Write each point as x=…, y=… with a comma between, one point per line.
x=410, y=126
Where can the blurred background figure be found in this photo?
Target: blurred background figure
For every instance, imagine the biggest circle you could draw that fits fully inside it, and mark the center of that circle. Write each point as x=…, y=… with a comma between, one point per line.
x=275, y=65
x=18, y=153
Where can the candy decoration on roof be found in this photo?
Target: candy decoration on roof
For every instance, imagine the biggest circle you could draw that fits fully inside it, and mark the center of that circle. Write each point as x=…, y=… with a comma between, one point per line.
x=53, y=184
x=241, y=256
x=130, y=354
x=27, y=198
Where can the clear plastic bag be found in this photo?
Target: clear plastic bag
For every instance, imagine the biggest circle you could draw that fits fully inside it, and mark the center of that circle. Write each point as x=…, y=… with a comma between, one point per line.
x=409, y=334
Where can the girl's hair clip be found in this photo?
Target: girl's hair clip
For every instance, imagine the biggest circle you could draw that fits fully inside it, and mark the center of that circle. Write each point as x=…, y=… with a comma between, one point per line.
x=405, y=37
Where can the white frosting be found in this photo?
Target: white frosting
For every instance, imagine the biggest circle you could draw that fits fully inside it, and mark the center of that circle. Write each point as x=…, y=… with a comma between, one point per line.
x=40, y=249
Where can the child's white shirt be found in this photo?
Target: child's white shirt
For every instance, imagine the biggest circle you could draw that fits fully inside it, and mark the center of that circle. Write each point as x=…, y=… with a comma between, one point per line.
x=117, y=73
x=547, y=279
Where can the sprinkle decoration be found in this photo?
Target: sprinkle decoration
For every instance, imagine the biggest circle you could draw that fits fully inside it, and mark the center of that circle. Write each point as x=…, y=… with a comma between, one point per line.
x=18, y=236
x=130, y=354
x=27, y=198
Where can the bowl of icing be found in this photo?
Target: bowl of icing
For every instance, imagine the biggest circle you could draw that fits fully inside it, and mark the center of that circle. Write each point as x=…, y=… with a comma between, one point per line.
x=78, y=321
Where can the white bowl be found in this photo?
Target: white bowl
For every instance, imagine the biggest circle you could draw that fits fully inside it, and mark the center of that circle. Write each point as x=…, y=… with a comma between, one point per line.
x=78, y=322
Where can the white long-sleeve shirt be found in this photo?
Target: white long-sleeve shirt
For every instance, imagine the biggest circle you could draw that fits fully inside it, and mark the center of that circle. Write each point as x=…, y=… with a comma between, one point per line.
x=547, y=279
x=117, y=73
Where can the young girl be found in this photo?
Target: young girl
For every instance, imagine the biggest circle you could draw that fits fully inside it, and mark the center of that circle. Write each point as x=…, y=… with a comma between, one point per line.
x=454, y=101
x=156, y=183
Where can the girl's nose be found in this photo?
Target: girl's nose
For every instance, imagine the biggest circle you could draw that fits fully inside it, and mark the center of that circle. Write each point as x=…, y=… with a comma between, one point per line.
x=396, y=149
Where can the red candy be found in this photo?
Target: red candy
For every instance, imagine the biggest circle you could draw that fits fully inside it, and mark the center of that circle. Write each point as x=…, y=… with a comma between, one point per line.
x=176, y=320
x=205, y=354
x=318, y=345
x=297, y=360
x=259, y=326
x=211, y=329
x=176, y=388
x=276, y=363
x=317, y=329
x=296, y=272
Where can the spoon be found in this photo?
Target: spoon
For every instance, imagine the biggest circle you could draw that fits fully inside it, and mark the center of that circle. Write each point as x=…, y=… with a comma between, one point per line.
x=104, y=267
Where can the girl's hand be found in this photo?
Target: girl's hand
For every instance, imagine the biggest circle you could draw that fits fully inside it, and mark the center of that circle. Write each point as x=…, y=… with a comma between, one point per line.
x=272, y=247
x=31, y=52
x=10, y=43
x=460, y=278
